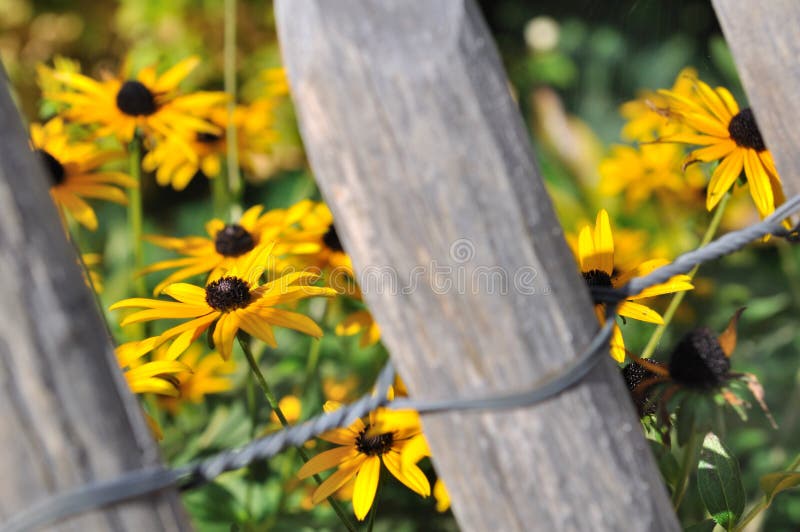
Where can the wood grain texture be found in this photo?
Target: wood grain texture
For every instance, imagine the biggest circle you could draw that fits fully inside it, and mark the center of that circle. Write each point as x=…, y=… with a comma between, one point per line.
x=66, y=414
x=422, y=155
x=765, y=40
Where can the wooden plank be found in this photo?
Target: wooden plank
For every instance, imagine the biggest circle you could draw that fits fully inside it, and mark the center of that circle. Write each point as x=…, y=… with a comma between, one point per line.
x=765, y=40
x=420, y=151
x=66, y=414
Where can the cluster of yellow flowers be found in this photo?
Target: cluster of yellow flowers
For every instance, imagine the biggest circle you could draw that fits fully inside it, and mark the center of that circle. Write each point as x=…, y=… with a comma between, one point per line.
x=253, y=271
x=656, y=165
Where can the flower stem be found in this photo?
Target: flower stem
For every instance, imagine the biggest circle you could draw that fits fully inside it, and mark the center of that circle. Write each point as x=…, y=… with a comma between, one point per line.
x=135, y=214
x=687, y=465
x=677, y=299
x=374, y=511
x=273, y=403
x=135, y=225
x=234, y=177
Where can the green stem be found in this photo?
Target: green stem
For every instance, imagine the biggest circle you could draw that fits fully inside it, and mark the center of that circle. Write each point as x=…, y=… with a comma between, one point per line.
x=687, y=466
x=374, y=511
x=135, y=225
x=234, y=177
x=135, y=214
x=677, y=299
x=764, y=503
x=220, y=198
x=252, y=407
x=273, y=403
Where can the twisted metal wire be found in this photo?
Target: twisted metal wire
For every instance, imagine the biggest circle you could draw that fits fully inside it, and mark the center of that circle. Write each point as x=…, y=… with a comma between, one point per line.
x=141, y=482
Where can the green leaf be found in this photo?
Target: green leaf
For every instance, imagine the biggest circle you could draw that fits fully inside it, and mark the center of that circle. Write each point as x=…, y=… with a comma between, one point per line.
x=720, y=483
x=774, y=483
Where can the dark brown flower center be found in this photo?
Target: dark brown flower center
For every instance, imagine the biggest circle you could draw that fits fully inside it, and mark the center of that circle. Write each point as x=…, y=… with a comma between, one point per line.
x=699, y=361
x=228, y=293
x=634, y=375
x=54, y=168
x=744, y=130
x=207, y=138
x=234, y=240
x=374, y=445
x=597, y=278
x=331, y=239
x=134, y=99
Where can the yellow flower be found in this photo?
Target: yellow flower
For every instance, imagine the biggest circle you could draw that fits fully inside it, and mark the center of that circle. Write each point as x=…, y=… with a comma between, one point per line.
x=650, y=169
x=235, y=301
x=152, y=102
x=228, y=244
x=174, y=166
x=596, y=257
x=206, y=374
x=74, y=169
x=731, y=136
x=360, y=454
x=648, y=117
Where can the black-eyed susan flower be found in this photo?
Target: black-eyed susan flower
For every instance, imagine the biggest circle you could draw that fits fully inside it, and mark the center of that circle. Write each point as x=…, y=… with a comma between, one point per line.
x=76, y=172
x=228, y=244
x=596, y=258
x=173, y=166
x=232, y=302
x=360, y=454
x=149, y=101
x=207, y=374
x=699, y=363
x=731, y=136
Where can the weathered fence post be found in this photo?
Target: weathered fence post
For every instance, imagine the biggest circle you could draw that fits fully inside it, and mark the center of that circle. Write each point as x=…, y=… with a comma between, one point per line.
x=421, y=153
x=67, y=417
x=765, y=40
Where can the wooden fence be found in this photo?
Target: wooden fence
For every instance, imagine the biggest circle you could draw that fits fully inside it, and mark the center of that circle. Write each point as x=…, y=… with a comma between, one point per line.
x=422, y=155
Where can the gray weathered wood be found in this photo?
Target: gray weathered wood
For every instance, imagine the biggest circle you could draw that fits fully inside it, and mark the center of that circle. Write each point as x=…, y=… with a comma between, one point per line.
x=765, y=40
x=422, y=155
x=66, y=415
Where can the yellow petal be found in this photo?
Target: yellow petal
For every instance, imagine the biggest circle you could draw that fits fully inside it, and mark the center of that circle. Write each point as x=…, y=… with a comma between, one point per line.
x=187, y=293
x=724, y=177
x=617, y=345
x=586, y=255
x=258, y=327
x=757, y=178
x=170, y=79
x=327, y=460
x=224, y=333
x=410, y=475
x=714, y=151
x=366, y=485
x=728, y=99
x=337, y=479
x=713, y=101
x=291, y=320
x=604, y=243
x=639, y=312
x=414, y=450
x=706, y=124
